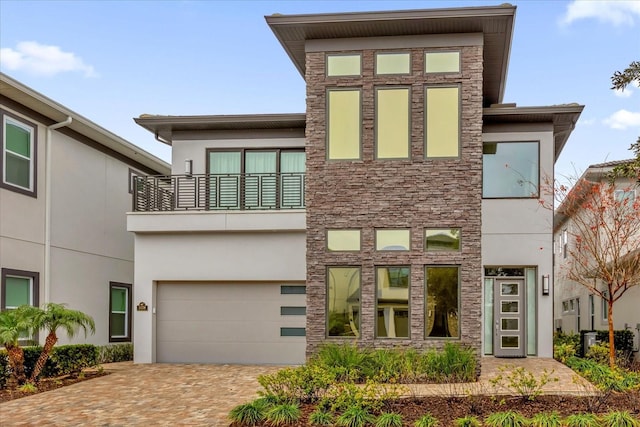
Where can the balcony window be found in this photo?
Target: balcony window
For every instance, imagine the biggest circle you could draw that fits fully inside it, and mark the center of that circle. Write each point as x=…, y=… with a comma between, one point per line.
x=343, y=302
x=256, y=179
x=510, y=170
x=18, y=154
x=442, y=122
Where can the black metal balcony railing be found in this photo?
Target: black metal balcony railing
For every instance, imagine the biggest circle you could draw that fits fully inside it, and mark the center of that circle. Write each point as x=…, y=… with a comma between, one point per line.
x=219, y=192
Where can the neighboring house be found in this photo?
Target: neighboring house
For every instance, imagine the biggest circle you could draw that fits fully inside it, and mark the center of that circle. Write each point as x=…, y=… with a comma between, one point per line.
x=402, y=210
x=65, y=186
x=575, y=307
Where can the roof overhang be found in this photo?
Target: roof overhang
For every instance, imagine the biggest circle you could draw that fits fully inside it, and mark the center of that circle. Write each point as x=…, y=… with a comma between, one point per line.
x=563, y=118
x=494, y=22
x=163, y=127
x=20, y=94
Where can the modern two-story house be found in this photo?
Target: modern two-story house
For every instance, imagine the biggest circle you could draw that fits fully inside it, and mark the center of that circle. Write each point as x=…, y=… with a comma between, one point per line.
x=576, y=307
x=401, y=210
x=65, y=186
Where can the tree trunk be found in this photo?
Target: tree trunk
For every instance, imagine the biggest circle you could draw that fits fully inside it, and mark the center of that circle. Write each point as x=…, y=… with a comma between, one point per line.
x=51, y=341
x=15, y=354
x=612, y=344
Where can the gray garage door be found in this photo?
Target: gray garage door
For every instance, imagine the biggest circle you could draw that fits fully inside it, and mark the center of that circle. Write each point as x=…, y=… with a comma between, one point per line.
x=230, y=323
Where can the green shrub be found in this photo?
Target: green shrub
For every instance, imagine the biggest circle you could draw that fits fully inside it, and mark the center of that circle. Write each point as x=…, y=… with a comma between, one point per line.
x=603, y=377
x=305, y=383
x=427, y=420
x=506, y=419
x=385, y=365
x=249, y=414
x=4, y=368
x=346, y=360
x=582, y=420
x=520, y=381
x=321, y=417
x=283, y=414
x=468, y=421
x=620, y=419
x=599, y=353
x=562, y=352
x=546, y=419
x=623, y=340
x=355, y=416
x=561, y=338
x=111, y=353
x=388, y=419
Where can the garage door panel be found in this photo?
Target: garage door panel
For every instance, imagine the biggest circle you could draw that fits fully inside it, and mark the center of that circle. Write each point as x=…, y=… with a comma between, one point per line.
x=227, y=323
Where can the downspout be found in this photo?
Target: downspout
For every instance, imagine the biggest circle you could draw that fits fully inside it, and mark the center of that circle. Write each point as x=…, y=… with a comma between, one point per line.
x=47, y=208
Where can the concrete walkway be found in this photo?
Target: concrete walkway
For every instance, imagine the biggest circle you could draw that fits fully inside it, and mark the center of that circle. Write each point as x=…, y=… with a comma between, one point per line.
x=202, y=395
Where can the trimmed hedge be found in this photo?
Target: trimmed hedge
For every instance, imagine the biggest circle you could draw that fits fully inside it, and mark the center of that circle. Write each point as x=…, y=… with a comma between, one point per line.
x=64, y=360
x=622, y=339
x=115, y=353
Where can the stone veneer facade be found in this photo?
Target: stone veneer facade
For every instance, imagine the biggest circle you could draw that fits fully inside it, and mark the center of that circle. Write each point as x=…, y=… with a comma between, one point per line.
x=413, y=193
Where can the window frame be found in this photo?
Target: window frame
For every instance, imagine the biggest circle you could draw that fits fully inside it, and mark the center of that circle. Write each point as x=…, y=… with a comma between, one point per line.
x=426, y=118
x=377, y=305
x=375, y=239
x=337, y=76
x=459, y=305
x=436, y=73
x=377, y=122
x=34, y=277
x=382, y=53
x=537, y=184
x=33, y=161
x=327, y=122
x=128, y=314
x=426, y=248
x=326, y=238
x=326, y=310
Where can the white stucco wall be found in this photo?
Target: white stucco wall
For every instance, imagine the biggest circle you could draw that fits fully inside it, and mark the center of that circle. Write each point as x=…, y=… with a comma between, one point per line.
x=519, y=232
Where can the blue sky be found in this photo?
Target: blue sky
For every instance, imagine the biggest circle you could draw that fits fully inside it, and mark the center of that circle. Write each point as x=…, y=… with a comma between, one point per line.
x=111, y=61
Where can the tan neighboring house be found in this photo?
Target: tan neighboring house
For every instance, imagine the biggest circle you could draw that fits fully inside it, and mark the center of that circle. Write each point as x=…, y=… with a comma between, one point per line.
x=65, y=186
x=575, y=307
x=383, y=216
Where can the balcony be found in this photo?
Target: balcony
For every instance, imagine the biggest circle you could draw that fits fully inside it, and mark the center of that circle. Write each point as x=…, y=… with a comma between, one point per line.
x=224, y=192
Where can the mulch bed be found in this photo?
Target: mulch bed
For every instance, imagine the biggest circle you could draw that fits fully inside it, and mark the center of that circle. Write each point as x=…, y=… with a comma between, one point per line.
x=47, y=384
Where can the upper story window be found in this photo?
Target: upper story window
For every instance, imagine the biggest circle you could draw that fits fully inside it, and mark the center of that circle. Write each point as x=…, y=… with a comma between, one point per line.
x=510, y=170
x=343, y=240
x=344, y=65
x=442, y=239
x=344, y=124
x=393, y=63
x=392, y=122
x=18, y=288
x=18, y=155
x=442, y=121
x=256, y=179
x=625, y=195
x=393, y=240
x=442, y=62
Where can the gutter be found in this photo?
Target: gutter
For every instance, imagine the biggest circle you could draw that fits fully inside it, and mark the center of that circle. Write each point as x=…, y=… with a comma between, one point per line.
x=47, y=209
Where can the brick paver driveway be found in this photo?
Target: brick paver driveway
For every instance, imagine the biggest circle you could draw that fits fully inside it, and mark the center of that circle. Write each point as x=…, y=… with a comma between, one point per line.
x=149, y=395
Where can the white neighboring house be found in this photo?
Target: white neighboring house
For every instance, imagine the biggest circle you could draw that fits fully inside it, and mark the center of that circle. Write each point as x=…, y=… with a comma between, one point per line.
x=575, y=307
x=65, y=186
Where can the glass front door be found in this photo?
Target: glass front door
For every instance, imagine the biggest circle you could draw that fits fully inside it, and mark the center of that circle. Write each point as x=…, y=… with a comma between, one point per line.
x=509, y=317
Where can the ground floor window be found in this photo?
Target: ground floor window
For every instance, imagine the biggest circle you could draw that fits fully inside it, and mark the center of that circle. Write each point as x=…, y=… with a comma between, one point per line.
x=443, y=302
x=392, y=302
x=343, y=301
x=119, y=312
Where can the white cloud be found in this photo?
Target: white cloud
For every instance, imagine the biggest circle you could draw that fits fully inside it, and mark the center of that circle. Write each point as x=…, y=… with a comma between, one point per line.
x=42, y=60
x=619, y=12
x=628, y=91
x=622, y=119
x=586, y=122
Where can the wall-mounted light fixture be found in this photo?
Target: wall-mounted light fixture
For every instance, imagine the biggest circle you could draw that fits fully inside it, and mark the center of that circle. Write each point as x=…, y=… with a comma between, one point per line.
x=188, y=167
x=545, y=284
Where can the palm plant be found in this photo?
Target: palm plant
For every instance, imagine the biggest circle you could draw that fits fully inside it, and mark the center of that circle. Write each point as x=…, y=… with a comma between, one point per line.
x=13, y=325
x=53, y=317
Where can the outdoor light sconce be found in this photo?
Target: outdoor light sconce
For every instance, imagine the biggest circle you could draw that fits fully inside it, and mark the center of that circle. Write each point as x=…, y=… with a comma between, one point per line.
x=188, y=167
x=545, y=284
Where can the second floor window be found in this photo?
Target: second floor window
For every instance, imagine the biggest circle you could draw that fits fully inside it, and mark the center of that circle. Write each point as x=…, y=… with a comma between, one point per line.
x=256, y=179
x=18, y=166
x=510, y=170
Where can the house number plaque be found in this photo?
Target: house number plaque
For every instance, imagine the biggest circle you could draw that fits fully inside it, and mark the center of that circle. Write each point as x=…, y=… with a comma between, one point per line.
x=142, y=307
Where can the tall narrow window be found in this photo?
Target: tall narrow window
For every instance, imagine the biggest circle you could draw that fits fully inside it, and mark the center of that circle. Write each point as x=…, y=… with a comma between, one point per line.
x=510, y=170
x=119, y=312
x=392, y=123
x=343, y=301
x=392, y=302
x=343, y=65
x=18, y=166
x=442, y=317
x=344, y=124
x=442, y=122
